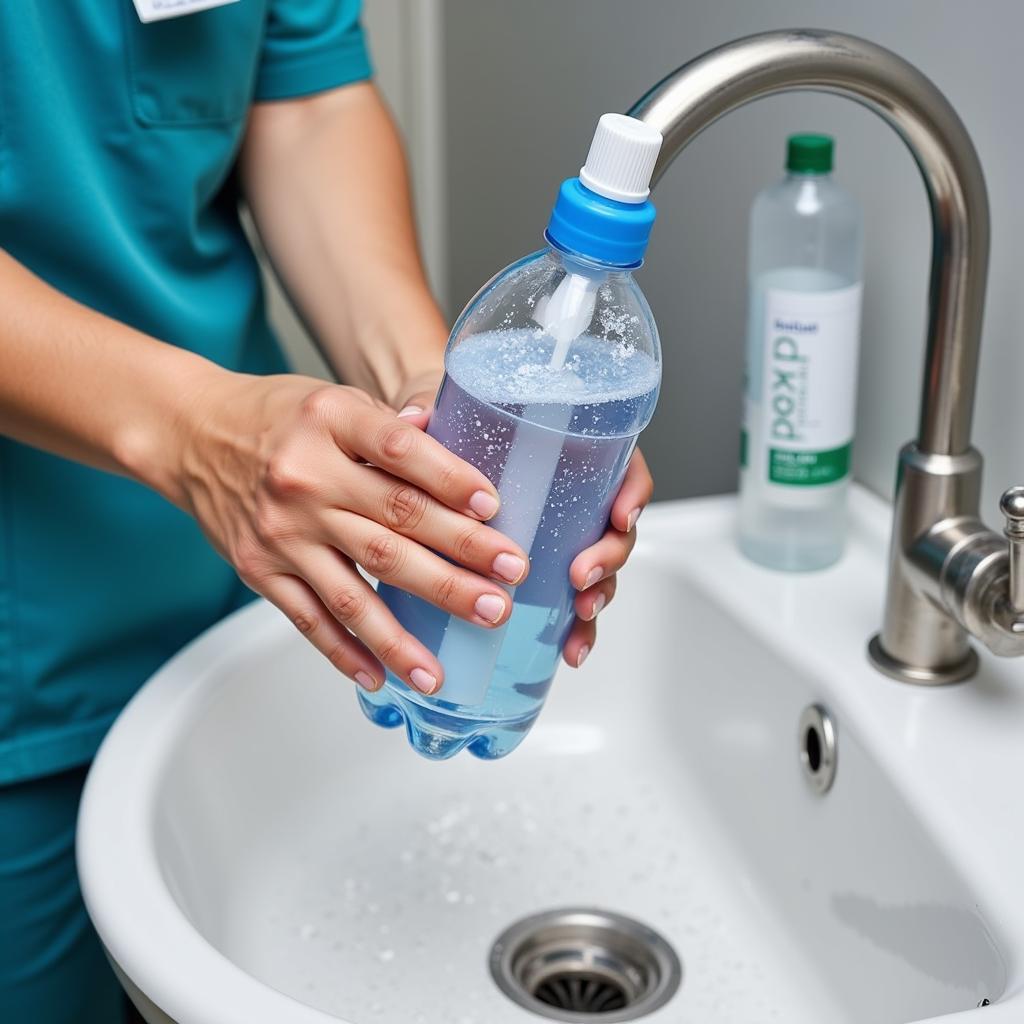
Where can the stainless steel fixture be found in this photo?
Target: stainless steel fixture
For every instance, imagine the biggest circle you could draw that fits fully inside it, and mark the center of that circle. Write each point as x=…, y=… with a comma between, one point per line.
x=949, y=575
x=585, y=965
x=816, y=733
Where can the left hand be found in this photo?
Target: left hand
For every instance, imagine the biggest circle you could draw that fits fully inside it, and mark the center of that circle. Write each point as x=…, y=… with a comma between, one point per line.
x=593, y=571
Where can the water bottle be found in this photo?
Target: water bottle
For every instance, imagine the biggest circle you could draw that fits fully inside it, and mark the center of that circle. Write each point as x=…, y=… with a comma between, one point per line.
x=551, y=372
x=806, y=241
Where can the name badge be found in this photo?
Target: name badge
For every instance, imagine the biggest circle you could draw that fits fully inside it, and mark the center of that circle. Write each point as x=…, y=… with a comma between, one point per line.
x=158, y=10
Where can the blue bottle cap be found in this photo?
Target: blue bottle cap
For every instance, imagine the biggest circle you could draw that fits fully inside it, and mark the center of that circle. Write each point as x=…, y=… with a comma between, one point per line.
x=590, y=225
x=604, y=214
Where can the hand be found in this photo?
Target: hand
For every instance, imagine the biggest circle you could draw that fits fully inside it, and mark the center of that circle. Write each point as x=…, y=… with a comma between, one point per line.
x=593, y=571
x=296, y=482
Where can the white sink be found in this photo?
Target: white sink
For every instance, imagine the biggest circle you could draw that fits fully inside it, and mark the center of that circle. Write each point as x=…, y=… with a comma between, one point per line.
x=252, y=850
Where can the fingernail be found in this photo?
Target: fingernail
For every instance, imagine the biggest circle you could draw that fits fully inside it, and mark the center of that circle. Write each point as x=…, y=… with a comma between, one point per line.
x=490, y=607
x=598, y=605
x=423, y=680
x=483, y=504
x=411, y=410
x=509, y=567
x=582, y=656
x=366, y=681
x=593, y=576
x=632, y=518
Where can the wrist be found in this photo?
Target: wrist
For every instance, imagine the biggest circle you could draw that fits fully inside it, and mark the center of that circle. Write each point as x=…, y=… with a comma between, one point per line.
x=153, y=445
x=401, y=348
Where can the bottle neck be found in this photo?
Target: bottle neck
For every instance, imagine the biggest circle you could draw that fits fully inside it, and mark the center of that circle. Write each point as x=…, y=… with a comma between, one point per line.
x=801, y=176
x=576, y=263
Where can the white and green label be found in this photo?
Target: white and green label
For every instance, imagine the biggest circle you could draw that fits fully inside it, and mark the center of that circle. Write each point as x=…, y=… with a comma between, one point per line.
x=810, y=384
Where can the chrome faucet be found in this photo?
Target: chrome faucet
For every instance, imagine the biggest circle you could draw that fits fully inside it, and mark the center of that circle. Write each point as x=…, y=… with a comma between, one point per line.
x=950, y=577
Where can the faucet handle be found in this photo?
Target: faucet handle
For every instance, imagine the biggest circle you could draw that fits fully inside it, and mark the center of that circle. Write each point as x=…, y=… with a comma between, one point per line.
x=1011, y=504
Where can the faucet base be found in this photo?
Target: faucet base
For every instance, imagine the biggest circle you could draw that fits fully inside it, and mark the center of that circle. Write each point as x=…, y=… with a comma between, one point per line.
x=905, y=673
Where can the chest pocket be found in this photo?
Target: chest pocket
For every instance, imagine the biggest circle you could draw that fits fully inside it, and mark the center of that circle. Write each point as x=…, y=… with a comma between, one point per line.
x=196, y=69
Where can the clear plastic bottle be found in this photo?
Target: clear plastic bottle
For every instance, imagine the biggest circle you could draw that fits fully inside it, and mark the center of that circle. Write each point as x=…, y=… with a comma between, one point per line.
x=551, y=372
x=806, y=254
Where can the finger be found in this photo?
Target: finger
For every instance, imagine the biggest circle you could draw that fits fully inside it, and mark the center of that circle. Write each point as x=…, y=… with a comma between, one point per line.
x=580, y=643
x=309, y=616
x=411, y=512
x=634, y=494
x=421, y=389
x=394, y=559
x=417, y=408
x=396, y=445
x=602, y=559
x=353, y=604
x=593, y=601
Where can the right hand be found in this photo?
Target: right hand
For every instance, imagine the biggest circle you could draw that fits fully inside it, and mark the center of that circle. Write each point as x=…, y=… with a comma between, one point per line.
x=296, y=482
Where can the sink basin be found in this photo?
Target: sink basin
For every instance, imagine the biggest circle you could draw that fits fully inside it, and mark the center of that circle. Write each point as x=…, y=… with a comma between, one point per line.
x=251, y=849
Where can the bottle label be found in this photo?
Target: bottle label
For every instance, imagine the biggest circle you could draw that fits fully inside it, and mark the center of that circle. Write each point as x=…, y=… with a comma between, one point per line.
x=811, y=342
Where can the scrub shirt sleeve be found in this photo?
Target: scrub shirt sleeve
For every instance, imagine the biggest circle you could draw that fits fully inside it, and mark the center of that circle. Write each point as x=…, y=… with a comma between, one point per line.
x=310, y=46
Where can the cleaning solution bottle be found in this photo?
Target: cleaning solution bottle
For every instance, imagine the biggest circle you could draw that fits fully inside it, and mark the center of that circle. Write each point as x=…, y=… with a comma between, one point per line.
x=551, y=372
x=806, y=242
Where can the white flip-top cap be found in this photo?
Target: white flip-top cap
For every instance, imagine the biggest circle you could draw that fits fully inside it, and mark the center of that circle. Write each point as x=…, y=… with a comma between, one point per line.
x=621, y=158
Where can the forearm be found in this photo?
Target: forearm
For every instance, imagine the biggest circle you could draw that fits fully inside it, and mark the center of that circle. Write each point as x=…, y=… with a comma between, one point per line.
x=79, y=384
x=326, y=180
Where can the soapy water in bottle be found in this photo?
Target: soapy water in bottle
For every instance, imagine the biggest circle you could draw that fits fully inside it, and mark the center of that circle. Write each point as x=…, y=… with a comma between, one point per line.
x=552, y=421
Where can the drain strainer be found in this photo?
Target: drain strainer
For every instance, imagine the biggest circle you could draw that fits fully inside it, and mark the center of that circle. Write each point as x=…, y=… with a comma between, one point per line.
x=585, y=965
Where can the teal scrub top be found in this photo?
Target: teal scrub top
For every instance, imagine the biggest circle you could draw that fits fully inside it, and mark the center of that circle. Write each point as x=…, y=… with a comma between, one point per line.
x=117, y=147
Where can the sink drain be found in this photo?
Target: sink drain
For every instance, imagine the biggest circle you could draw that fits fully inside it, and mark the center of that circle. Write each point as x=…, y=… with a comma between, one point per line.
x=585, y=965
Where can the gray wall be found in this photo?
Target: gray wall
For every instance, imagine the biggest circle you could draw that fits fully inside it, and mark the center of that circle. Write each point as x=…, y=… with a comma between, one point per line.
x=526, y=81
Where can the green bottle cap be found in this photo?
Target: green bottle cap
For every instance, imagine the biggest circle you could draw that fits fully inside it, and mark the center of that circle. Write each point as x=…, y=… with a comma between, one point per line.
x=809, y=154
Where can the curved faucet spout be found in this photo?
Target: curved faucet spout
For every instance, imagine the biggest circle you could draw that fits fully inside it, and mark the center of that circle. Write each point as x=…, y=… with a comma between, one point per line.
x=948, y=574
x=697, y=94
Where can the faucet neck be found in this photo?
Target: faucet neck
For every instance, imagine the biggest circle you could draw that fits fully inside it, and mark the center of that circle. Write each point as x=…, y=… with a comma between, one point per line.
x=697, y=94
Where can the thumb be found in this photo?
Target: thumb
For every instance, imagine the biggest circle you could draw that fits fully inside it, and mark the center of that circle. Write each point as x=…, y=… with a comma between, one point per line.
x=417, y=408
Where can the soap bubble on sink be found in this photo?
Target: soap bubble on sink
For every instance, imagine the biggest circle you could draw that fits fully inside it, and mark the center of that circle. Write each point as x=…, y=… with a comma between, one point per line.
x=385, y=956
x=443, y=825
x=308, y=931
x=453, y=896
